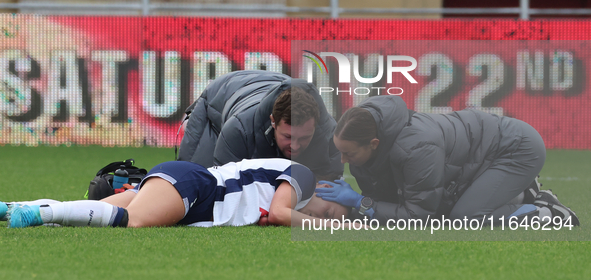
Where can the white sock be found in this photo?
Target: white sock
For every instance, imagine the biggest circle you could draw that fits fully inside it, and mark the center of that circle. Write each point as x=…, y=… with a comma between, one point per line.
x=37, y=202
x=80, y=213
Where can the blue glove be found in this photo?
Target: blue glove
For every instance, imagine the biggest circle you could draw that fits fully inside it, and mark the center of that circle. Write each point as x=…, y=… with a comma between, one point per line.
x=341, y=193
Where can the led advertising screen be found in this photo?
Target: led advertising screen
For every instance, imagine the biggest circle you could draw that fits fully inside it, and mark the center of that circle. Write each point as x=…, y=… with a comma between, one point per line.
x=126, y=81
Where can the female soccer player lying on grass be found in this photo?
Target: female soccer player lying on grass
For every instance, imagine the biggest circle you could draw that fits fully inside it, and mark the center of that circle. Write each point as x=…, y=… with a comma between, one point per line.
x=263, y=191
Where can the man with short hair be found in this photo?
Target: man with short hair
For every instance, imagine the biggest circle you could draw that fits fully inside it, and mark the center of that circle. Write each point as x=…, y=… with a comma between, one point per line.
x=260, y=114
x=294, y=116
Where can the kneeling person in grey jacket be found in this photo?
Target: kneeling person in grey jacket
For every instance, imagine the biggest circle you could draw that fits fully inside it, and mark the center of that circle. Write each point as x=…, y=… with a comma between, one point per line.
x=260, y=114
x=463, y=165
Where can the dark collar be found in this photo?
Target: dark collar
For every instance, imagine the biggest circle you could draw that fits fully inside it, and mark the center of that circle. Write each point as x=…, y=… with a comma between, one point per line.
x=270, y=137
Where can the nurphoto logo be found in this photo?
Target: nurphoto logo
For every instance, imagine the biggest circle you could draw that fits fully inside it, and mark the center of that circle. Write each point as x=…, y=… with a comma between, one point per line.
x=344, y=76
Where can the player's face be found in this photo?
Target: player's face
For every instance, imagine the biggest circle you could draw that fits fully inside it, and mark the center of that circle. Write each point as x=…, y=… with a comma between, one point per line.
x=353, y=153
x=293, y=140
x=322, y=209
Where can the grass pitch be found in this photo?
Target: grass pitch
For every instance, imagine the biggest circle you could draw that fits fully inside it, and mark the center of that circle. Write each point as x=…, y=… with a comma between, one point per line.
x=265, y=253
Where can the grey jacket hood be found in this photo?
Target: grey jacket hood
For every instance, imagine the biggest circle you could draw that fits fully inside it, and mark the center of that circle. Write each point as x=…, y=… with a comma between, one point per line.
x=391, y=115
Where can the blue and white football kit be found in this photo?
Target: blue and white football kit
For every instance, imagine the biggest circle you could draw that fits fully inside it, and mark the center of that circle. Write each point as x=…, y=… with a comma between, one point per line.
x=235, y=194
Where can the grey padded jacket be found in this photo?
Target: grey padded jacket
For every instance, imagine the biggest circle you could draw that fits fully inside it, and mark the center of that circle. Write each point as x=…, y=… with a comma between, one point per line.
x=425, y=162
x=230, y=122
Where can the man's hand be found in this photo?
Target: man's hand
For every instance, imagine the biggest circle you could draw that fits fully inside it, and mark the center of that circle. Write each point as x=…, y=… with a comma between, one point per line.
x=341, y=193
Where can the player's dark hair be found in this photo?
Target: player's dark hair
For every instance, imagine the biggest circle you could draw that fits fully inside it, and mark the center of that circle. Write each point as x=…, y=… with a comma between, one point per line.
x=357, y=125
x=295, y=107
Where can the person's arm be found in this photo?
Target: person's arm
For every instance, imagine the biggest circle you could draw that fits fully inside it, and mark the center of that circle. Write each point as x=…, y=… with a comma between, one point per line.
x=282, y=211
x=231, y=145
x=193, y=130
x=422, y=188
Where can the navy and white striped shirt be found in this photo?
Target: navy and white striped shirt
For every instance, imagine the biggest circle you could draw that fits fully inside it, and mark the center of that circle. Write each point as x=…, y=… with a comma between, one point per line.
x=245, y=189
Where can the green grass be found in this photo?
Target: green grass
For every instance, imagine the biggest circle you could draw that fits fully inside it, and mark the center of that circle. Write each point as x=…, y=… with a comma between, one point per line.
x=266, y=253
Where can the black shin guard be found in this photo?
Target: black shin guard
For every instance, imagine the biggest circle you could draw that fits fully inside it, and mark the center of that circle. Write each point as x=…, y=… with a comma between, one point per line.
x=124, y=219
